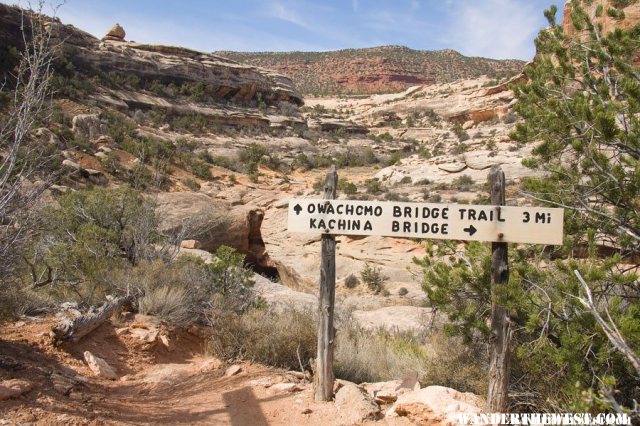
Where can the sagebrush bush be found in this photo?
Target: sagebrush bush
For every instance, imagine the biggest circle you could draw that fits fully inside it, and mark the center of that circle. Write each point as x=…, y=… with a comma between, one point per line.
x=170, y=304
x=282, y=339
x=351, y=281
x=379, y=355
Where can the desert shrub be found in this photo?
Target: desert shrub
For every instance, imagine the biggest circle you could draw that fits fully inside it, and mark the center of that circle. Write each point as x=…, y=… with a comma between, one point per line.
x=191, y=184
x=171, y=304
x=509, y=118
x=221, y=161
x=302, y=161
x=282, y=339
x=318, y=184
x=462, y=183
x=194, y=123
x=347, y=187
x=405, y=180
x=253, y=155
x=206, y=157
x=119, y=126
x=351, y=281
x=460, y=132
x=394, y=196
x=459, y=148
x=90, y=233
x=394, y=158
x=373, y=186
x=17, y=300
x=374, y=279
x=403, y=291
x=189, y=290
x=423, y=182
x=380, y=355
x=200, y=169
x=354, y=158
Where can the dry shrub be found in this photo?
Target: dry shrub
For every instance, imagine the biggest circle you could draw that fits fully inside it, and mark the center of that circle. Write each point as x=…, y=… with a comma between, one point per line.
x=370, y=356
x=281, y=339
x=170, y=304
x=361, y=355
x=16, y=301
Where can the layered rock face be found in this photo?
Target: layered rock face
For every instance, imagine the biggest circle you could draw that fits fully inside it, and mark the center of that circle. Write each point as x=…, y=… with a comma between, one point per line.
x=230, y=80
x=374, y=70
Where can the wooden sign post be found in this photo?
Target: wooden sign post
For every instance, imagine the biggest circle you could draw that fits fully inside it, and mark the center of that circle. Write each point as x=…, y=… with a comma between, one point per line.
x=496, y=223
x=323, y=378
x=500, y=341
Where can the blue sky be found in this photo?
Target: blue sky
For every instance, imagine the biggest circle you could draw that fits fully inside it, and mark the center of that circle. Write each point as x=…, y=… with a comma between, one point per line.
x=490, y=28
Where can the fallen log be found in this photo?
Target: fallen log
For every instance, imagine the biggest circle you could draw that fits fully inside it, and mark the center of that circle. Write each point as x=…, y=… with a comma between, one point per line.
x=76, y=328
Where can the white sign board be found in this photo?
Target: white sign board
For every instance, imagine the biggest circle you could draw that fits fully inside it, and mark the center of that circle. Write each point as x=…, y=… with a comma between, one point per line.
x=507, y=224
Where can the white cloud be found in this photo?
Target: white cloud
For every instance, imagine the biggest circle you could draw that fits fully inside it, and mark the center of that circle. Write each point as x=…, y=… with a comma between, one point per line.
x=280, y=10
x=493, y=28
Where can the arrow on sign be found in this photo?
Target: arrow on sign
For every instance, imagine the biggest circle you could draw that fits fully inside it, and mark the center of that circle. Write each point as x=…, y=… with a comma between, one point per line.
x=297, y=209
x=471, y=230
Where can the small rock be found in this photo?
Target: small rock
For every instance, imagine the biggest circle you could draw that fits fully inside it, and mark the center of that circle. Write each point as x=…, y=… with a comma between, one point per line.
x=99, y=366
x=190, y=244
x=13, y=388
x=279, y=388
x=233, y=370
x=121, y=331
x=77, y=396
x=147, y=335
x=355, y=405
x=307, y=411
x=210, y=365
x=282, y=204
x=164, y=339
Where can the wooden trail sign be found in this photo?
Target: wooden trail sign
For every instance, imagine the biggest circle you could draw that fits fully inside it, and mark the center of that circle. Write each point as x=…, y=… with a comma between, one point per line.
x=505, y=224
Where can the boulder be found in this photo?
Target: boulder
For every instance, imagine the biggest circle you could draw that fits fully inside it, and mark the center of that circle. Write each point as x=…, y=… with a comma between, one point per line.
x=116, y=33
x=86, y=126
x=383, y=392
x=99, y=366
x=452, y=167
x=46, y=136
x=436, y=405
x=355, y=405
x=13, y=388
x=94, y=176
x=213, y=223
x=484, y=159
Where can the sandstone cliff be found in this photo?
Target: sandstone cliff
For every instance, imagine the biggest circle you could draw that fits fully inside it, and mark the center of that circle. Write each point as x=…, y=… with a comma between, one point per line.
x=375, y=70
x=229, y=80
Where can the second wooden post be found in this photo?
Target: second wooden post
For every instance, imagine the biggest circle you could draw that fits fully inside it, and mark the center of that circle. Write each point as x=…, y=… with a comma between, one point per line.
x=323, y=379
x=500, y=363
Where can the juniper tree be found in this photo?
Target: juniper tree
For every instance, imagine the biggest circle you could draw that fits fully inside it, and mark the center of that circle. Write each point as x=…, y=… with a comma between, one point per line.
x=581, y=107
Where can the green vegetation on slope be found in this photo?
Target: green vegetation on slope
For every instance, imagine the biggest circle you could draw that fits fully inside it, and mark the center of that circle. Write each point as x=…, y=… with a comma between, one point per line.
x=373, y=70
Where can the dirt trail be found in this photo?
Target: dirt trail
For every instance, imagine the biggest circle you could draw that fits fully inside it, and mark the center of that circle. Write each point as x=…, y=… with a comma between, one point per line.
x=156, y=386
